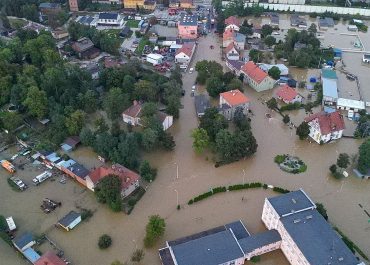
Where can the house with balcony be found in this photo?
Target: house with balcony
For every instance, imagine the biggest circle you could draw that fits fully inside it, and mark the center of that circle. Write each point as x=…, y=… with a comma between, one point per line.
x=256, y=78
x=230, y=101
x=325, y=127
x=188, y=26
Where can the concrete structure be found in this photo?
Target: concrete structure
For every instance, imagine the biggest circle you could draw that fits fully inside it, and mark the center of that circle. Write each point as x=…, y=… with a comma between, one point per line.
x=49, y=258
x=110, y=20
x=185, y=53
x=306, y=237
x=232, y=23
x=87, y=20
x=298, y=21
x=294, y=226
x=59, y=33
x=73, y=5
x=230, y=101
x=256, y=78
x=165, y=119
x=288, y=95
x=31, y=255
x=188, y=26
x=71, y=220
x=201, y=104
x=325, y=127
x=129, y=179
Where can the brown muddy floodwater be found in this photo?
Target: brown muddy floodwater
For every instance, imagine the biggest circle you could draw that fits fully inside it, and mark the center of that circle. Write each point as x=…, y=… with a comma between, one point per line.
x=197, y=174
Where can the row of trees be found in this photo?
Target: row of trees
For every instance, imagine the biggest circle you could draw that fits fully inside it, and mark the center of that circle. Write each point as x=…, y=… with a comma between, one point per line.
x=213, y=133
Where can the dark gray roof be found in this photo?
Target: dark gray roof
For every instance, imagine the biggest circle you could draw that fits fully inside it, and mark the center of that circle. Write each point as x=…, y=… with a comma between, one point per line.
x=236, y=64
x=165, y=256
x=201, y=104
x=291, y=202
x=326, y=22
x=213, y=249
x=108, y=16
x=274, y=18
x=69, y=218
x=79, y=170
x=259, y=240
x=317, y=240
x=23, y=240
x=49, y=5
x=239, y=230
x=189, y=20
x=86, y=20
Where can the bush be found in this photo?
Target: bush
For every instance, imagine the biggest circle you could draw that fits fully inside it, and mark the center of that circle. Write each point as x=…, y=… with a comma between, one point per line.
x=105, y=241
x=256, y=259
x=280, y=190
x=86, y=214
x=265, y=186
x=333, y=168
x=302, y=168
x=321, y=209
x=338, y=175
x=191, y=202
x=291, y=106
x=138, y=255
x=280, y=159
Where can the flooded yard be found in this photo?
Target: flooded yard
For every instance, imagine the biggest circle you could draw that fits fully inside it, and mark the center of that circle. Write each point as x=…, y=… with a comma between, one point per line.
x=197, y=174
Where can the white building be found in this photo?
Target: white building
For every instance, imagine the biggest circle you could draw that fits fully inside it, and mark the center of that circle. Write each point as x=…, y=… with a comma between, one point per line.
x=185, y=53
x=231, y=52
x=110, y=20
x=154, y=58
x=325, y=127
x=350, y=104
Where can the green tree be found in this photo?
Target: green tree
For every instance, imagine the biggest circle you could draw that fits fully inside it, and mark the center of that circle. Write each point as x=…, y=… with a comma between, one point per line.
x=272, y=103
x=303, y=130
x=312, y=28
x=200, y=140
x=154, y=230
x=214, y=86
x=212, y=122
x=270, y=41
x=149, y=109
x=90, y=101
x=240, y=120
x=343, y=160
x=173, y=106
x=149, y=139
x=364, y=157
x=115, y=102
x=286, y=119
x=36, y=102
x=206, y=69
x=266, y=30
x=105, y=241
x=147, y=172
x=138, y=255
x=75, y=122
x=255, y=55
x=321, y=209
x=235, y=83
x=333, y=168
x=10, y=120
x=87, y=137
x=225, y=145
x=108, y=191
x=274, y=72
x=145, y=90
x=100, y=125
x=117, y=262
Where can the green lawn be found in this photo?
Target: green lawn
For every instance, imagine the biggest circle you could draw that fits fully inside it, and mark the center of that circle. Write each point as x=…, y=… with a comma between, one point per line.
x=132, y=23
x=16, y=23
x=144, y=41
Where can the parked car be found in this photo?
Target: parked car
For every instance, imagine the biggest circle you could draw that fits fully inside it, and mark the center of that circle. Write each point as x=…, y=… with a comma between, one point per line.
x=20, y=184
x=191, y=70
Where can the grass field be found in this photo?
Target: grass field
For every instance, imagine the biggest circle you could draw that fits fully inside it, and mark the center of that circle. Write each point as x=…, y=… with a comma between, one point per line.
x=132, y=23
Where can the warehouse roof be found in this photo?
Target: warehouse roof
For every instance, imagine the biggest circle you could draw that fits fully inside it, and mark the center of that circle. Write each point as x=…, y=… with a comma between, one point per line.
x=329, y=88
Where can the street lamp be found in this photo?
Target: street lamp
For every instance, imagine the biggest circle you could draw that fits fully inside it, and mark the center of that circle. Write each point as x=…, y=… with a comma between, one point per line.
x=177, y=197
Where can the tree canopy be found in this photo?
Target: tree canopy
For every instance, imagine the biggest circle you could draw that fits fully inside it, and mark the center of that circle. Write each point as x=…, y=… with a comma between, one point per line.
x=108, y=191
x=364, y=157
x=154, y=230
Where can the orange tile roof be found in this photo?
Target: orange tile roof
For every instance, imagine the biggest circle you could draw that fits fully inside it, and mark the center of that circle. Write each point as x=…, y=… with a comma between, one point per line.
x=127, y=176
x=254, y=72
x=232, y=21
x=328, y=122
x=186, y=48
x=134, y=110
x=228, y=34
x=286, y=93
x=50, y=258
x=234, y=97
x=229, y=47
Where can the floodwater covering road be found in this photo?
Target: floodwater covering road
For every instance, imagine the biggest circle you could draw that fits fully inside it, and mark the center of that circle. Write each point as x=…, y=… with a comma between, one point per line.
x=197, y=174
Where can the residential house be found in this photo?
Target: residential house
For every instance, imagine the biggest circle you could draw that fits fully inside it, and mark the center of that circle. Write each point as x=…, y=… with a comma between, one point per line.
x=49, y=8
x=70, y=143
x=133, y=4
x=227, y=37
x=284, y=71
x=186, y=4
x=185, y=53
x=201, y=104
x=165, y=119
x=77, y=171
x=257, y=31
x=325, y=127
x=235, y=66
x=50, y=258
x=111, y=20
x=69, y=221
x=288, y=95
x=239, y=41
x=188, y=26
x=110, y=62
x=107, y=2
x=232, y=23
x=132, y=114
x=73, y=5
x=231, y=52
x=230, y=101
x=325, y=23
x=329, y=87
x=84, y=48
x=31, y=255
x=298, y=21
x=274, y=19
x=125, y=32
x=257, y=78
x=129, y=179
x=87, y=20
x=59, y=33
x=24, y=241
x=350, y=104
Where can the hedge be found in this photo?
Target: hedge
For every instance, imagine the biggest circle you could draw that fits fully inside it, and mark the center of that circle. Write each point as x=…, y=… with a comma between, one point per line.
x=352, y=246
x=291, y=106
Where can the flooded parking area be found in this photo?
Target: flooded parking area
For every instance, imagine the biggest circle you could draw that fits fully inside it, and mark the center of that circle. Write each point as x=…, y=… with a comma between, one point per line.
x=197, y=174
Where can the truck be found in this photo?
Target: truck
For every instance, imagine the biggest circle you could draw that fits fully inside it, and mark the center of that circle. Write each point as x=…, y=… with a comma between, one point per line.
x=8, y=166
x=41, y=178
x=20, y=184
x=12, y=228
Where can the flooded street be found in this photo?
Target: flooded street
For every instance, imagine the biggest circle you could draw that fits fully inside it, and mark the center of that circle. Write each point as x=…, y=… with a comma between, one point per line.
x=197, y=174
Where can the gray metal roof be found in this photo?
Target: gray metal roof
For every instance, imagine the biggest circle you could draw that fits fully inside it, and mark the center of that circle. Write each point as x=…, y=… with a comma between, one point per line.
x=213, y=249
x=326, y=22
x=79, y=170
x=239, y=230
x=85, y=20
x=291, y=202
x=108, y=16
x=23, y=240
x=317, y=240
x=189, y=20
x=329, y=88
x=259, y=240
x=69, y=218
x=201, y=104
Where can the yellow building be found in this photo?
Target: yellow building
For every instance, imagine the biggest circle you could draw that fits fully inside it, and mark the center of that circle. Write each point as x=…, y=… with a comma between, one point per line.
x=150, y=4
x=188, y=4
x=133, y=3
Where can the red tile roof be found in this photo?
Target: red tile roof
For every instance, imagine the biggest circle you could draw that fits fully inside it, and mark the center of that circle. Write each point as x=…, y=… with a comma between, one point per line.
x=286, y=93
x=232, y=21
x=127, y=176
x=134, y=110
x=328, y=122
x=49, y=258
x=254, y=72
x=186, y=48
x=228, y=34
x=229, y=47
x=234, y=97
